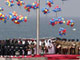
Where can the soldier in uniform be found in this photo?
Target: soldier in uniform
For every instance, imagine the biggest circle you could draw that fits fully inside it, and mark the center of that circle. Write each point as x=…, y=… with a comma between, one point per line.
x=3, y=47
x=0, y=47
x=32, y=47
x=68, y=46
x=26, y=47
x=35, y=43
x=12, y=48
x=17, y=52
x=64, y=47
x=20, y=48
x=72, y=50
x=58, y=46
x=77, y=46
x=46, y=46
x=42, y=47
x=8, y=47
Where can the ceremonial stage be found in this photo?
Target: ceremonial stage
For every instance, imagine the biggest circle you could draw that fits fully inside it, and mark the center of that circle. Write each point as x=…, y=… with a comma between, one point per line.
x=44, y=57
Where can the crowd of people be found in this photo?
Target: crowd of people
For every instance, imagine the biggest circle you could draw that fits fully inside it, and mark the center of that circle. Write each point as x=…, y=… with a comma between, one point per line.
x=12, y=47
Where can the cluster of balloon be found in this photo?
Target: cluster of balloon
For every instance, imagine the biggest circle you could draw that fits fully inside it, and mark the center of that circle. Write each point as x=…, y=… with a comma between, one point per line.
x=35, y=5
x=70, y=23
x=10, y=3
x=61, y=20
x=20, y=2
x=57, y=9
x=28, y=7
x=45, y=10
x=3, y=17
x=49, y=3
x=62, y=31
x=53, y=21
x=1, y=9
x=17, y=19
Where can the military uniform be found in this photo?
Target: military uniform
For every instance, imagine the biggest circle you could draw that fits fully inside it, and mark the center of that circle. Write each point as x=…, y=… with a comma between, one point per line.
x=32, y=47
x=3, y=50
x=58, y=48
x=21, y=49
x=69, y=47
x=17, y=51
x=26, y=47
x=72, y=50
x=12, y=49
x=0, y=49
x=64, y=47
x=42, y=47
x=79, y=48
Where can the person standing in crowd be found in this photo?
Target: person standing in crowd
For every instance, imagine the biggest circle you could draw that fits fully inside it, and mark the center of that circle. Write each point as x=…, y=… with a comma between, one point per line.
x=64, y=47
x=26, y=47
x=73, y=45
x=0, y=47
x=69, y=45
x=23, y=44
x=29, y=47
x=7, y=48
x=42, y=45
x=54, y=44
x=35, y=47
x=17, y=53
x=20, y=47
x=32, y=47
x=46, y=46
x=77, y=47
x=58, y=48
x=12, y=49
x=50, y=46
x=53, y=47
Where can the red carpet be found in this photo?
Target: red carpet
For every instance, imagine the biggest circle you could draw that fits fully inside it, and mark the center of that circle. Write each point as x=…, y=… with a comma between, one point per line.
x=61, y=57
x=52, y=57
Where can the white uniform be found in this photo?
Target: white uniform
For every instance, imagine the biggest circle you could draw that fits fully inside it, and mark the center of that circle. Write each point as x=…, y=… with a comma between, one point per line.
x=52, y=49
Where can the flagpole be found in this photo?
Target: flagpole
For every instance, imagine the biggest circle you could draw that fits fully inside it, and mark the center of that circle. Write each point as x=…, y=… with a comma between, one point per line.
x=38, y=26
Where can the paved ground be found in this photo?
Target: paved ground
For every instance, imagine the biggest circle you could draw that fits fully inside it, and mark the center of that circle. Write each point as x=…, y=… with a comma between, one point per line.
x=39, y=58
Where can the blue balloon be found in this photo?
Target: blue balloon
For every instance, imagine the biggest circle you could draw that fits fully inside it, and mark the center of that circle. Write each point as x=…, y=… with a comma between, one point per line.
x=57, y=10
x=5, y=21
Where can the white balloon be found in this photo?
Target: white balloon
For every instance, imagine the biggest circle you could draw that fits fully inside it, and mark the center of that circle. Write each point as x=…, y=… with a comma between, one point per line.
x=74, y=29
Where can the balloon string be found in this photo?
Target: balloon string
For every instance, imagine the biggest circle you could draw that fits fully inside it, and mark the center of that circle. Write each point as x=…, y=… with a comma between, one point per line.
x=56, y=15
x=28, y=14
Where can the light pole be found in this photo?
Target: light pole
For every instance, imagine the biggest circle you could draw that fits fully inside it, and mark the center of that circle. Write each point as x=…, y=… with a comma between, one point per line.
x=38, y=26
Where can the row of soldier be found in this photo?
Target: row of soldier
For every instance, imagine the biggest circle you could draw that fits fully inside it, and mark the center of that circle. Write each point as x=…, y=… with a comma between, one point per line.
x=28, y=47
x=69, y=46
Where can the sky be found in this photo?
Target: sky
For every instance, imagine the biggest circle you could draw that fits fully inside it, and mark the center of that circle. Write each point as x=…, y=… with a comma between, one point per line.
x=70, y=8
